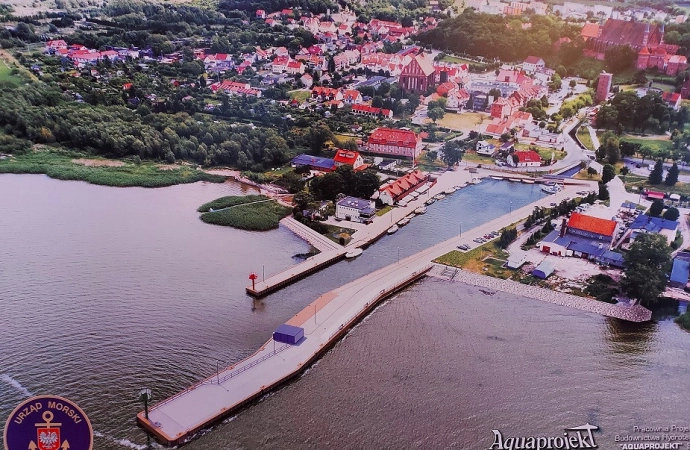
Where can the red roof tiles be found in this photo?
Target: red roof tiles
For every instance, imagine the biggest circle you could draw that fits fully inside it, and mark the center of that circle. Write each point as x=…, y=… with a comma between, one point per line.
x=592, y=224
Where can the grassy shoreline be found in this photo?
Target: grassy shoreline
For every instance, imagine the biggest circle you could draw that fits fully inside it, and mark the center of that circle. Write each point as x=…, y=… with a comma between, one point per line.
x=59, y=164
x=251, y=212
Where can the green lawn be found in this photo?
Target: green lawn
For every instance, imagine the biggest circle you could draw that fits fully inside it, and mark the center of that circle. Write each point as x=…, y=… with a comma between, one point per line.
x=664, y=87
x=6, y=75
x=300, y=95
x=656, y=145
x=456, y=60
x=584, y=137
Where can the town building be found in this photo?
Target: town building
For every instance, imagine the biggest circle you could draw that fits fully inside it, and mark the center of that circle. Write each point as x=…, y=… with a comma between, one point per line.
x=486, y=149
x=370, y=111
x=395, y=191
x=533, y=64
x=680, y=272
x=314, y=162
x=672, y=99
x=355, y=209
x=235, y=88
x=349, y=158
x=648, y=224
x=418, y=75
x=582, y=236
x=637, y=35
x=392, y=142
x=603, y=87
x=528, y=158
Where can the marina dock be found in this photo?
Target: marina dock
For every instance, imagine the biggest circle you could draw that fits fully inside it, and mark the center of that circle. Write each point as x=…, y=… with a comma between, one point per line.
x=323, y=322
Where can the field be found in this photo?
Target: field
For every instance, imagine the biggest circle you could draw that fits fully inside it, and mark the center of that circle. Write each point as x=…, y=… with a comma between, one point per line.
x=656, y=144
x=584, y=137
x=299, y=95
x=486, y=259
x=464, y=122
x=60, y=164
x=6, y=75
x=247, y=214
x=663, y=87
x=456, y=60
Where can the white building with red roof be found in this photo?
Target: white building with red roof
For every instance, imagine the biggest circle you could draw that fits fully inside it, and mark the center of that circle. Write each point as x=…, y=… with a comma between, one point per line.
x=56, y=44
x=349, y=158
x=525, y=158
x=324, y=94
x=391, y=193
x=280, y=64
x=352, y=96
x=532, y=64
x=392, y=142
x=295, y=67
x=370, y=111
x=235, y=88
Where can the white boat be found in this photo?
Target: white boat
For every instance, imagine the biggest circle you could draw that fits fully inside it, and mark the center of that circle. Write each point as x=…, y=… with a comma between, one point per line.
x=476, y=180
x=410, y=216
x=497, y=177
x=550, y=189
x=354, y=253
x=449, y=191
x=403, y=222
x=439, y=196
x=462, y=185
x=527, y=181
x=420, y=210
x=393, y=229
x=514, y=180
x=430, y=201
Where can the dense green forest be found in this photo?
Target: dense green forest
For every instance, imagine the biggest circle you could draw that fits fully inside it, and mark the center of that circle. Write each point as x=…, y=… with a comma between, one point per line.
x=626, y=111
x=493, y=36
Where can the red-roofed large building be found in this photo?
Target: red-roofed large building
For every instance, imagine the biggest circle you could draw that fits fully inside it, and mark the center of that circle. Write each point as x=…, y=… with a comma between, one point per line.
x=391, y=142
x=672, y=99
x=532, y=64
x=590, y=226
x=582, y=236
x=418, y=75
x=397, y=190
x=235, y=88
x=370, y=111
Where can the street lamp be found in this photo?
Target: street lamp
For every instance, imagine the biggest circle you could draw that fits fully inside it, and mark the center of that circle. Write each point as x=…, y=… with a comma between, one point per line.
x=398, y=255
x=460, y=229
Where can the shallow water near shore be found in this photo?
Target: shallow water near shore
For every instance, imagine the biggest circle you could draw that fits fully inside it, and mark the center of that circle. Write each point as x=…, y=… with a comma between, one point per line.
x=105, y=291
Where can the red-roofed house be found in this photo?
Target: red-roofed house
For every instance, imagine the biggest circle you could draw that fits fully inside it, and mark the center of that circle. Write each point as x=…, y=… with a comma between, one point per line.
x=350, y=158
x=528, y=158
x=672, y=99
x=653, y=195
x=233, y=87
x=391, y=142
x=294, y=67
x=397, y=190
x=326, y=94
x=583, y=236
x=280, y=64
x=352, y=96
x=370, y=111
x=307, y=80
x=260, y=14
x=55, y=45
x=532, y=64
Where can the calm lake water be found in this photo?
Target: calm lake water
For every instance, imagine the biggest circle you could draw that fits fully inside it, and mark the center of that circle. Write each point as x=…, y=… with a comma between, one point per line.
x=105, y=291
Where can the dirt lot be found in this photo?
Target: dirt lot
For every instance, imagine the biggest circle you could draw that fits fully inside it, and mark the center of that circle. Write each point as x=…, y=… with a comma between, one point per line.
x=464, y=122
x=98, y=163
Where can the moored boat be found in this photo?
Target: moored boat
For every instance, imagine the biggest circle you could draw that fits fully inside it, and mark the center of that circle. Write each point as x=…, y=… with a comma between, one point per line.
x=497, y=177
x=420, y=210
x=403, y=222
x=439, y=196
x=527, y=181
x=449, y=191
x=476, y=180
x=353, y=253
x=550, y=189
x=410, y=216
x=430, y=201
x=514, y=180
x=393, y=229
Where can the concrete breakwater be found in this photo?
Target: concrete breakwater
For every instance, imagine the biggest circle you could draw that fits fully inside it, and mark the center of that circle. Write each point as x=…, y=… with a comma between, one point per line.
x=634, y=313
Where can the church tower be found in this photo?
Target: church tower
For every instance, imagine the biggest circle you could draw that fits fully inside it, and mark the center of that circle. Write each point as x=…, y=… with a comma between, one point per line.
x=645, y=39
x=642, y=59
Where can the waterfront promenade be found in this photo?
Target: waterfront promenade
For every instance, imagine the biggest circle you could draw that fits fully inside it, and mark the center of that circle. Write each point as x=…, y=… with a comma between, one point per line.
x=324, y=321
x=366, y=234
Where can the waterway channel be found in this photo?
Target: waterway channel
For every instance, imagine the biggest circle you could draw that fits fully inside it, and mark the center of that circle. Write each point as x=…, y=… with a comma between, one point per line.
x=105, y=291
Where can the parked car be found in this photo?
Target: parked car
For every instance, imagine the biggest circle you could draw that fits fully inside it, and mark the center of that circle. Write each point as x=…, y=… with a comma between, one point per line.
x=464, y=247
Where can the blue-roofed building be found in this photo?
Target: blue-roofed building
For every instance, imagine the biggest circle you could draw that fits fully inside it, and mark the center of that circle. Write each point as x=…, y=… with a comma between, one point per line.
x=648, y=224
x=314, y=162
x=610, y=258
x=680, y=272
x=543, y=270
x=355, y=209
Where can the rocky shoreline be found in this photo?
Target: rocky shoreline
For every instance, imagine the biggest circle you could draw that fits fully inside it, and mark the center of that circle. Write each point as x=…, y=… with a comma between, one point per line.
x=634, y=313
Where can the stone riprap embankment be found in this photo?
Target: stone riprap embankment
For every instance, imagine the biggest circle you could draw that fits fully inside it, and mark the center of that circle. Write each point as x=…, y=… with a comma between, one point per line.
x=634, y=313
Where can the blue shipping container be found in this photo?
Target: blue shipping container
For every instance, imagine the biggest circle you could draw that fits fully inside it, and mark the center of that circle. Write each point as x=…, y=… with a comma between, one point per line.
x=288, y=334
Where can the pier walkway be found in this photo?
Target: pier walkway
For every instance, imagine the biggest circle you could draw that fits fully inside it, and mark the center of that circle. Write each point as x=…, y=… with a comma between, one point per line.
x=317, y=240
x=324, y=322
